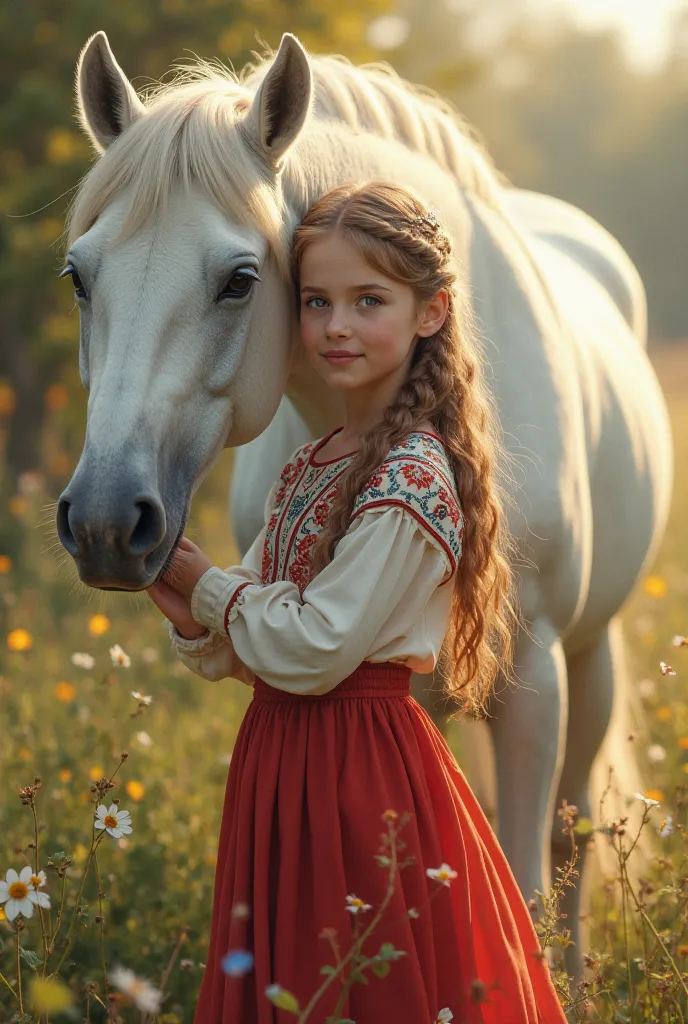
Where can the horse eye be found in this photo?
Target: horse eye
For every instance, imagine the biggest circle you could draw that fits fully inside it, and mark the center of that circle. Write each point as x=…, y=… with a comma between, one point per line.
x=76, y=280
x=239, y=284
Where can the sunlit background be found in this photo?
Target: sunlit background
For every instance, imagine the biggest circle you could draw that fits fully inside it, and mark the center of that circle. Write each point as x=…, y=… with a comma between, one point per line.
x=583, y=99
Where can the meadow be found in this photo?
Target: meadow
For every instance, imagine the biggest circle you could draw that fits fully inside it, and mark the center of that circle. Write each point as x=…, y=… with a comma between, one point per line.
x=94, y=708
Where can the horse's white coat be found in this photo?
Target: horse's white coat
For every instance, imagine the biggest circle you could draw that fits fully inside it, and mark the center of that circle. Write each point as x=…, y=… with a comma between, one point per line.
x=561, y=311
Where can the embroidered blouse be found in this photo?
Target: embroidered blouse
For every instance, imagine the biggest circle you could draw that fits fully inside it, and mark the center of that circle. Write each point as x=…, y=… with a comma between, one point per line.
x=385, y=595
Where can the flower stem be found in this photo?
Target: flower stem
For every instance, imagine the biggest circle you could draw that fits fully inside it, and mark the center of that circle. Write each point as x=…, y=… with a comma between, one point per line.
x=102, y=926
x=19, y=977
x=69, y=936
x=3, y=978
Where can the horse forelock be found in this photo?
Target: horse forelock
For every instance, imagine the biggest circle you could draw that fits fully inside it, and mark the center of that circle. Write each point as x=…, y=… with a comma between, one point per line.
x=189, y=135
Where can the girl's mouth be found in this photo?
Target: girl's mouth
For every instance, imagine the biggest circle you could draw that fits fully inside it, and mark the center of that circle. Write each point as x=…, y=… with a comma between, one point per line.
x=339, y=360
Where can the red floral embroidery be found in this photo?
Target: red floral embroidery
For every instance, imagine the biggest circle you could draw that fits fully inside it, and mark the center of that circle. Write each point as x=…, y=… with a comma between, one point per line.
x=375, y=480
x=300, y=570
x=322, y=511
x=451, y=507
x=416, y=475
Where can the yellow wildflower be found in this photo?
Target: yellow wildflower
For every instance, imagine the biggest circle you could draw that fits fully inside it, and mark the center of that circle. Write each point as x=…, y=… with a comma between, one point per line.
x=664, y=714
x=96, y=772
x=98, y=624
x=654, y=794
x=135, y=789
x=65, y=692
x=19, y=640
x=655, y=586
x=5, y=564
x=65, y=775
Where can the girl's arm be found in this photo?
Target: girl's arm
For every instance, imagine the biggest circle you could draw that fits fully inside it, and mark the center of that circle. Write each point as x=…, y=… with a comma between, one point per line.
x=386, y=565
x=212, y=655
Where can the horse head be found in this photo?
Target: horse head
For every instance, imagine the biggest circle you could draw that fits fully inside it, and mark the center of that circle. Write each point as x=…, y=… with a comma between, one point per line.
x=178, y=252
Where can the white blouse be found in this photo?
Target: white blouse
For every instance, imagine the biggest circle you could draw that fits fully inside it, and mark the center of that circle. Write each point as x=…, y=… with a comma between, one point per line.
x=385, y=595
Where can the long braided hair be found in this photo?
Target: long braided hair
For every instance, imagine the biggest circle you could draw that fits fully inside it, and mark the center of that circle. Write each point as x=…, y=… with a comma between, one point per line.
x=397, y=236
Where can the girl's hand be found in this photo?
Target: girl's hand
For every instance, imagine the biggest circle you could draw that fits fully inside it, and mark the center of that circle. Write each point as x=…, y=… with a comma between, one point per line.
x=172, y=593
x=175, y=608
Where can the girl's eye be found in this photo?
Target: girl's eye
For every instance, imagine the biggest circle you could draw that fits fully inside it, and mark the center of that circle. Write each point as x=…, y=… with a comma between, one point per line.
x=373, y=297
x=79, y=289
x=316, y=298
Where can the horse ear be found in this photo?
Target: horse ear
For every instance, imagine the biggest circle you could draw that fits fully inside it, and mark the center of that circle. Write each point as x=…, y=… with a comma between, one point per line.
x=282, y=103
x=106, y=100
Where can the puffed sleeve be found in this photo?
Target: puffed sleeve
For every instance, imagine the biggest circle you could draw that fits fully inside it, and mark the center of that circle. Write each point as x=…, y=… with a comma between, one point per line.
x=308, y=643
x=212, y=655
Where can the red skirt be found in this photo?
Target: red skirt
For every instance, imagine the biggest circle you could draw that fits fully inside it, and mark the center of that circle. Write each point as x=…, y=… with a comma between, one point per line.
x=309, y=781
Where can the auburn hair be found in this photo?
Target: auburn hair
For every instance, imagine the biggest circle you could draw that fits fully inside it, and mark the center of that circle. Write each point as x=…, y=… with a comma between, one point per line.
x=398, y=236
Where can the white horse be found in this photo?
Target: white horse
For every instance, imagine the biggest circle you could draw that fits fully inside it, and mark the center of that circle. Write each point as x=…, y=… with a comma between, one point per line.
x=184, y=351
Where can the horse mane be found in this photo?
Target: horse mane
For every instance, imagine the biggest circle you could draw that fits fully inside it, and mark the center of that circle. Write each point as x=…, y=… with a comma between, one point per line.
x=188, y=134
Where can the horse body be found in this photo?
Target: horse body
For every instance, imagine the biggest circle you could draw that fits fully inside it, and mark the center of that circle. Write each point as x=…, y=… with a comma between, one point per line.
x=559, y=308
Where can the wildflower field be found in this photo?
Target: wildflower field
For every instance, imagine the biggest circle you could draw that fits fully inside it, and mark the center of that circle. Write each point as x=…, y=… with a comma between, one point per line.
x=113, y=760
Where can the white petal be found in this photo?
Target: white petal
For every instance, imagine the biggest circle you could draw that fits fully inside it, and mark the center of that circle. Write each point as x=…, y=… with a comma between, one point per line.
x=115, y=832
x=99, y=824
x=126, y=829
x=41, y=898
x=112, y=809
x=11, y=909
x=4, y=887
x=101, y=811
x=11, y=876
x=25, y=874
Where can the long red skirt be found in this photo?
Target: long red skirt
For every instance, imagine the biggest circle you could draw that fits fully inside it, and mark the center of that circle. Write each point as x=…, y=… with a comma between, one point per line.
x=309, y=781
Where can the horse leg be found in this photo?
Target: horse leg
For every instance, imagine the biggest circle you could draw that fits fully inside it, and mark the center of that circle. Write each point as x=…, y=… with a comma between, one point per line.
x=529, y=732
x=592, y=672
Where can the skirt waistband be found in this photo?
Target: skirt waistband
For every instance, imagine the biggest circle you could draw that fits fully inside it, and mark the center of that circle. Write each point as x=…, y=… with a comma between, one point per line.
x=385, y=679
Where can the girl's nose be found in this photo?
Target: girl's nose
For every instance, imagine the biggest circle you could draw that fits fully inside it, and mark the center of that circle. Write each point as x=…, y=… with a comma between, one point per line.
x=338, y=327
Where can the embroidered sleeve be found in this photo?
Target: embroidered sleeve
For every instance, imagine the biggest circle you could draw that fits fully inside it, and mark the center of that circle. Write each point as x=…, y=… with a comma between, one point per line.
x=422, y=484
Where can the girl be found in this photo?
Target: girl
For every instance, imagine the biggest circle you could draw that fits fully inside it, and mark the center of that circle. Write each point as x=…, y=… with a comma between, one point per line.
x=383, y=541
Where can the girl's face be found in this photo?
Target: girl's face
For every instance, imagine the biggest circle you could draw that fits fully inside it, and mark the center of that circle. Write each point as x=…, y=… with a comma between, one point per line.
x=349, y=307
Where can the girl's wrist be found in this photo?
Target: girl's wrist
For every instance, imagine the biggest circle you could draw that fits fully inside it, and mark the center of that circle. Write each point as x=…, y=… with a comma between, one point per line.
x=192, y=634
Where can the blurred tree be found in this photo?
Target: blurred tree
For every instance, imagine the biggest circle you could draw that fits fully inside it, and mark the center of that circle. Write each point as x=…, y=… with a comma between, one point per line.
x=43, y=154
x=563, y=113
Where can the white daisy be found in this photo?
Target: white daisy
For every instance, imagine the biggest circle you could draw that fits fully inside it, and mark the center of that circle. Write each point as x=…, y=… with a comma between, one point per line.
x=442, y=874
x=18, y=894
x=356, y=906
x=116, y=822
x=119, y=658
x=144, y=995
x=82, y=660
x=667, y=826
x=648, y=801
x=140, y=697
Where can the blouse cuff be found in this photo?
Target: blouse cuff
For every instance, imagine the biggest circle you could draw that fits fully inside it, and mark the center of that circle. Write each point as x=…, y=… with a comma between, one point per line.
x=216, y=598
x=198, y=647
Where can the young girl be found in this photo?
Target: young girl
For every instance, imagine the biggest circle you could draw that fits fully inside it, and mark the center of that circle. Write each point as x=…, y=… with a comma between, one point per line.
x=383, y=541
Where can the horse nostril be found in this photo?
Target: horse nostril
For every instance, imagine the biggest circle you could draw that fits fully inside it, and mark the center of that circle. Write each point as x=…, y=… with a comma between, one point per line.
x=149, y=531
x=64, y=530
